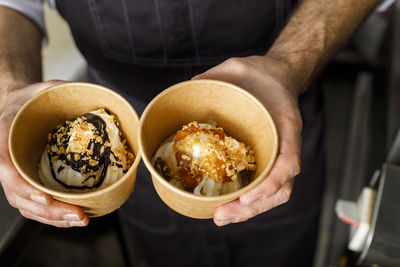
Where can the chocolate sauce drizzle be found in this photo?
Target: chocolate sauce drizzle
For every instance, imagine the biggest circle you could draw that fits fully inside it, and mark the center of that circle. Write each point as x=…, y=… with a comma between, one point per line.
x=82, y=162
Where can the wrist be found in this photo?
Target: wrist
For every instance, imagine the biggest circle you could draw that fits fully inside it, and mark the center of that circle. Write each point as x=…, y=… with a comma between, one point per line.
x=7, y=86
x=285, y=73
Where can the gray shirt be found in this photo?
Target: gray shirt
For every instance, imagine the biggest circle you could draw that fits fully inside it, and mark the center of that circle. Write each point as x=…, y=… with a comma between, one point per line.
x=33, y=9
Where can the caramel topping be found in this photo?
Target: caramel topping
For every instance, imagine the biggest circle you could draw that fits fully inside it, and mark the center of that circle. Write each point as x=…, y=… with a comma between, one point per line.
x=205, y=151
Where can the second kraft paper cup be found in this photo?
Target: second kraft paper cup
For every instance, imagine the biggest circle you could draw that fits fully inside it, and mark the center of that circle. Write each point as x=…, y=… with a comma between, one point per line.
x=239, y=113
x=41, y=115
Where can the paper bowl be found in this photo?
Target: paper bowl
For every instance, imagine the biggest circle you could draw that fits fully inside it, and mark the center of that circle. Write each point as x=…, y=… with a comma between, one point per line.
x=239, y=113
x=41, y=115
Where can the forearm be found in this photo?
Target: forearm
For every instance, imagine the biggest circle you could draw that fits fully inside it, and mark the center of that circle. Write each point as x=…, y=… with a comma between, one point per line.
x=316, y=30
x=20, y=52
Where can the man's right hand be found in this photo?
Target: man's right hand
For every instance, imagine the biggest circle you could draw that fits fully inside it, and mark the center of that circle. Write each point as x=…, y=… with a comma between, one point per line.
x=31, y=203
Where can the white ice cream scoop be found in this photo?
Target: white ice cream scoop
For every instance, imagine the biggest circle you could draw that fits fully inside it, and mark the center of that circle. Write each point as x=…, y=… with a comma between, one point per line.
x=201, y=159
x=85, y=154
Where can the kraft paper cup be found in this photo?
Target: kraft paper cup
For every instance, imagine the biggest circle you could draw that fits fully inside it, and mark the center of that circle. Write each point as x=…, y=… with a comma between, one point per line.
x=41, y=115
x=239, y=113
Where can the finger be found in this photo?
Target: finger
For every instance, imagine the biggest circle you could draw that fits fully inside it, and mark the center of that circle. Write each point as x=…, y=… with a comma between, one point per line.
x=286, y=166
x=17, y=98
x=13, y=182
x=27, y=192
x=56, y=211
x=232, y=70
x=22, y=195
x=210, y=73
x=25, y=93
x=289, y=132
x=236, y=211
x=44, y=85
x=283, y=171
x=61, y=223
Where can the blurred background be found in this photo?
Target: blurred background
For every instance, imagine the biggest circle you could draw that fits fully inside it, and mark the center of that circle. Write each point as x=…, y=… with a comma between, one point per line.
x=362, y=99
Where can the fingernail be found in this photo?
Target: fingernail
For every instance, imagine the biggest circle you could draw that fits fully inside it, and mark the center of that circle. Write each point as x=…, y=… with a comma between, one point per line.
x=77, y=223
x=224, y=222
x=226, y=218
x=71, y=217
x=251, y=199
x=39, y=198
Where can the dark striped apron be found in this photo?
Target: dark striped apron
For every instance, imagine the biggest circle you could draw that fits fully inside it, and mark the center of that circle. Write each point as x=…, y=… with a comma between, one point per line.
x=139, y=48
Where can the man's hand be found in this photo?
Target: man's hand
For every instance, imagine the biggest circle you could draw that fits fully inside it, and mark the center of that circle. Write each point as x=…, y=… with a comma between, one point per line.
x=260, y=76
x=32, y=203
x=20, y=65
x=315, y=31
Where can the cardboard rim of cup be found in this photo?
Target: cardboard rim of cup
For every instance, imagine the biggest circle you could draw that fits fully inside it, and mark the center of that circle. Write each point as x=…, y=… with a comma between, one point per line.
x=226, y=197
x=75, y=195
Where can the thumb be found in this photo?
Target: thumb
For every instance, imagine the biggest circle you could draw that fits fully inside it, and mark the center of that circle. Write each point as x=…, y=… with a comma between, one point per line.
x=213, y=73
x=17, y=98
x=199, y=76
x=231, y=70
x=44, y=85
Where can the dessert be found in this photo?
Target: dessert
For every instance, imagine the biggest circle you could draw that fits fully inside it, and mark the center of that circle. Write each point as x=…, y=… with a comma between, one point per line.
x=202, y=159
x=85, y=154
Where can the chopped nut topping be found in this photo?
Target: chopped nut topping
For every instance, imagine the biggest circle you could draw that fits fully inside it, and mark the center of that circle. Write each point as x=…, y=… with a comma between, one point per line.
x=205, y=151
x=93, y=162
x=84, y=146
x=53, y=159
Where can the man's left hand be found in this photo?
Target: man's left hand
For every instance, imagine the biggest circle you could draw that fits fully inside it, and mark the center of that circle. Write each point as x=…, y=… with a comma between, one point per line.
x=264, y=76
